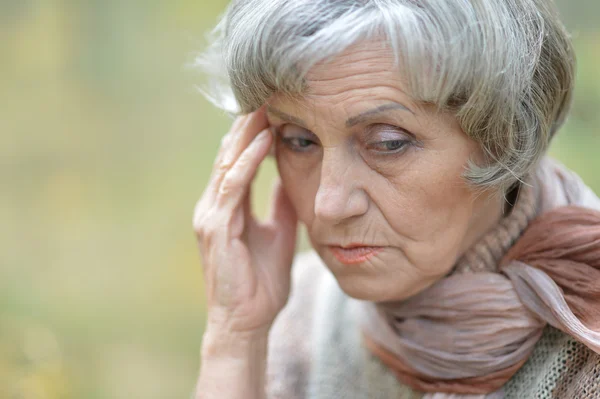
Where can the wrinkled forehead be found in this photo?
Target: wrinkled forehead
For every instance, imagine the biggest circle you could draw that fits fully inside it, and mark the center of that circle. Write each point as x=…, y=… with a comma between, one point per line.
x=368, y=62
x=343, y=90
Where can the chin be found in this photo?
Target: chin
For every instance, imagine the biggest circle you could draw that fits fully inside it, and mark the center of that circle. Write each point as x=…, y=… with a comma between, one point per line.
x=356, y=292
x=366, y=287
x=365, y=290
x=379, y=287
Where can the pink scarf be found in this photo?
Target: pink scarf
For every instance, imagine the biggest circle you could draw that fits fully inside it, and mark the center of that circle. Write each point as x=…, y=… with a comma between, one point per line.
x=470, y=332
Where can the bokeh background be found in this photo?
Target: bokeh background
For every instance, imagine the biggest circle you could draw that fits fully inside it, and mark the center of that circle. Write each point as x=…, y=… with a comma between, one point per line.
x=105, y=147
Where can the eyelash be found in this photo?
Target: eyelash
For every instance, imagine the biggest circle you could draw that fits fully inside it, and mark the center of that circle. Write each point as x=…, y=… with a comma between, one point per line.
x=303, y=145
x=401, y=145
x=289, y=142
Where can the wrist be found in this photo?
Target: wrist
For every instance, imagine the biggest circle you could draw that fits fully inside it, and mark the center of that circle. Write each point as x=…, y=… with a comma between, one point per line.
x=232, y=365
x=219, y=342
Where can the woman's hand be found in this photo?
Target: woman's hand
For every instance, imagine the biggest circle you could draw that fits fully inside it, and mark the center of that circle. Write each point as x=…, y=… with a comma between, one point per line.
x=246, y=262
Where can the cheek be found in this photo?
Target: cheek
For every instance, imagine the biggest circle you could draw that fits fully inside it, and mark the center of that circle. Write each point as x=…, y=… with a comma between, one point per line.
x=300, y=184
x=445, y=189
x=431, y=202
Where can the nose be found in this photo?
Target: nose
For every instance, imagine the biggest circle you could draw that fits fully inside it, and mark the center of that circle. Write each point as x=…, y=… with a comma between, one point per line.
x=340, y=195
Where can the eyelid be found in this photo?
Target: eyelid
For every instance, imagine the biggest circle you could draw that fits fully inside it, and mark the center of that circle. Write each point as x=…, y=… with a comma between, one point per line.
x=385, y=151
x=295, y=132
x=384, y=132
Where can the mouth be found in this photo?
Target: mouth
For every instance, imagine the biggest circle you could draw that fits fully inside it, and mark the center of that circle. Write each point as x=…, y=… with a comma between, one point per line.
x=354, y=253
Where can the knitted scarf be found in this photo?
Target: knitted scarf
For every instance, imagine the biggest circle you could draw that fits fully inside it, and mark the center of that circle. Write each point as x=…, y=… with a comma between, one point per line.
x=470, y=332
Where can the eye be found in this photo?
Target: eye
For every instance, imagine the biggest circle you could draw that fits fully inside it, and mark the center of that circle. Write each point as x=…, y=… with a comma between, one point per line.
x=298, y=143
x=297, y=138
x=389, y=146
x=386, y=139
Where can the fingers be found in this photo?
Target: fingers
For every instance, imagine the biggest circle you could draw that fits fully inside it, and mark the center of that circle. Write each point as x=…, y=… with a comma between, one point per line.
x=284, y=220
x=228, y=139
x=282, y=211
x=244, y=219
x=247, y=206
x=237, y=179
x=242, y=133
x=242, y=150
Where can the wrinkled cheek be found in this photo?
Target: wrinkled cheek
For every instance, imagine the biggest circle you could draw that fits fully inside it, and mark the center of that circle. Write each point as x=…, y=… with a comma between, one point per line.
x=298, y=188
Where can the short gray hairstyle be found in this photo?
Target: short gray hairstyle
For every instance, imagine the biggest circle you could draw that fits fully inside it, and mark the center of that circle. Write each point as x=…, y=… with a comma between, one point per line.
x=504, y=67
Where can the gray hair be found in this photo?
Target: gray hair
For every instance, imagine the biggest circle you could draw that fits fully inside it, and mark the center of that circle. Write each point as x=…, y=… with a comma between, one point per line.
x=504, y=67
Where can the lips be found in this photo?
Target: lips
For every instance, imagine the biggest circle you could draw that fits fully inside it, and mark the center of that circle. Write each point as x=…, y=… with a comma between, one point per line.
x=353, y=254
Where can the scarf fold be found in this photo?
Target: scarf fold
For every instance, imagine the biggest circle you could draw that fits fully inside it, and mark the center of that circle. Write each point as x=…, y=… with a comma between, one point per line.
x=470, y=332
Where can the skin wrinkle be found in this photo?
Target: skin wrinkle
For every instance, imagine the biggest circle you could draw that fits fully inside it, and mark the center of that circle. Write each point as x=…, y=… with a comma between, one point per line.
x=415, y=203
x=365, y=116
x=283, y=116
x=350, y=122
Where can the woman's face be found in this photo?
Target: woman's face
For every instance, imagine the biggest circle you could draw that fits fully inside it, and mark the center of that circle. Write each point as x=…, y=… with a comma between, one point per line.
x=376, y=177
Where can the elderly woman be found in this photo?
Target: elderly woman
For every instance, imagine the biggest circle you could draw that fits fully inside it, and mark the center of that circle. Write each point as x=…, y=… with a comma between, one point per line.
x=451, y=258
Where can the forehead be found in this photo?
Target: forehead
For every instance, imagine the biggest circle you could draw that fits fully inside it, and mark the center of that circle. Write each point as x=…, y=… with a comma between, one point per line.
x=362, y=65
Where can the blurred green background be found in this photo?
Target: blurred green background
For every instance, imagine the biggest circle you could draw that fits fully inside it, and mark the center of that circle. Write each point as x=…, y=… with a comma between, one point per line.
x=106, y=146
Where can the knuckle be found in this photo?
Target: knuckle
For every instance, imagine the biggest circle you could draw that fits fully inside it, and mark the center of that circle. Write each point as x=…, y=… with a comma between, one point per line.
x=199, y=208
x=218, y=160
x=199, y=225
x=231, y=183
x=208, y=236
x=223, y=159
x=206, y=228
x=202, y=220
x=211, y=231
x=243, y=163
x=226, y=139
x=224, y=166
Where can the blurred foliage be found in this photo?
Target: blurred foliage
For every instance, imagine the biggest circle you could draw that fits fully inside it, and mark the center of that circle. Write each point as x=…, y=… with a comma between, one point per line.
x=106, y=146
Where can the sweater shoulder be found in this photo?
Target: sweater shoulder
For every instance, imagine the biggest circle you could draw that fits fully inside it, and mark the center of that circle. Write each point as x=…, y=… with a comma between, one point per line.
x=559, y=367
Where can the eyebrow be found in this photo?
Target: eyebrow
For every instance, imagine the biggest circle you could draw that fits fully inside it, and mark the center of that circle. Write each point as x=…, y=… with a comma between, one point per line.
x=364, y=116
x=352, y=121
x=285, y=117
